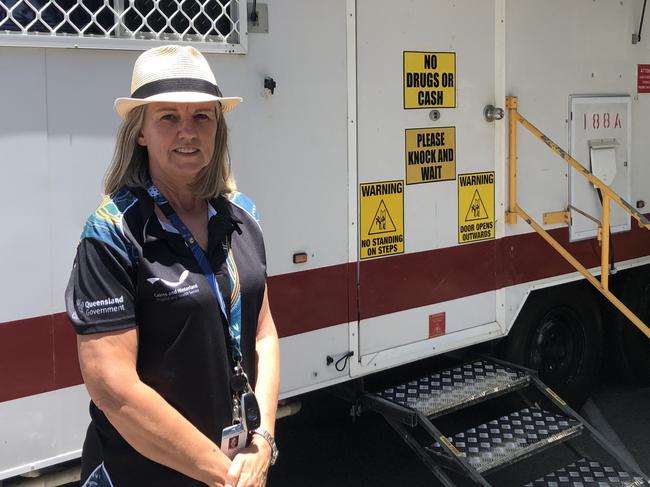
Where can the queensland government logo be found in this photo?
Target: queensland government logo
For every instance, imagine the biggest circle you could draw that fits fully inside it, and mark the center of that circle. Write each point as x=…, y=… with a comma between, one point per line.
x=100, y=306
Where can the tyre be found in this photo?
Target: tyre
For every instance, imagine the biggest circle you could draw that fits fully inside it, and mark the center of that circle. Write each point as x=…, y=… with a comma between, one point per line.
x=631, y=348
x=559, y=334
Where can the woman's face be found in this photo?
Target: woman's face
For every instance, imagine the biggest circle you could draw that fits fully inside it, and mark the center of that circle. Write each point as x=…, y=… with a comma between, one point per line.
x=179, y=138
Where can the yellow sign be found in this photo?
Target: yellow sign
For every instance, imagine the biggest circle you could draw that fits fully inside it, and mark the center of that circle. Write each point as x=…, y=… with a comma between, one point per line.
x=475, y=207
x=430, y=154
x=429, y=79
x=382, y=219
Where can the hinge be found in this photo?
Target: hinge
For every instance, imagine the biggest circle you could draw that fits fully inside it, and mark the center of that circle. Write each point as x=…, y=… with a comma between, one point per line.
x=554, y=217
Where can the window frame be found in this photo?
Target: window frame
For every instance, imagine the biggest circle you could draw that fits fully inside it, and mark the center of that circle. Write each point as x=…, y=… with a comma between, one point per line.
x=145, y=41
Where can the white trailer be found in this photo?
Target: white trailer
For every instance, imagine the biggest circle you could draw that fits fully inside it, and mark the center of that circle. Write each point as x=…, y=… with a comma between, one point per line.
x=382, y=187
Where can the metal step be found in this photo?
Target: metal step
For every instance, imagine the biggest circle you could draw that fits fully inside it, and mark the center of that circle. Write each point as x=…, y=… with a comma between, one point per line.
x=511, y=438
x=585, y=473
x=456, y=388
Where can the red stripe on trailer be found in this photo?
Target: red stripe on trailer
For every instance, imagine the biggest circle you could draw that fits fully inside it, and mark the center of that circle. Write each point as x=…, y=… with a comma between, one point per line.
x=527, y=257
x=66, y=362
x=37, y=355
x=318, y=298
x=40, y=354
x=313, y=299
x=423, y=278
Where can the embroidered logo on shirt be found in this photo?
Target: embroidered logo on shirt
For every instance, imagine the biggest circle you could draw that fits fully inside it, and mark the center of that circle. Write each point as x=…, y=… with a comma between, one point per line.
x=100, y=306
x=172, y=290
x=184, y=275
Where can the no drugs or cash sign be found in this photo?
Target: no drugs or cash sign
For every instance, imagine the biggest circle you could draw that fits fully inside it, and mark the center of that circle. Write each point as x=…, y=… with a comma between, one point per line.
x=430, y=154
x=381, y=208
x=429, y=79
x=475, y=207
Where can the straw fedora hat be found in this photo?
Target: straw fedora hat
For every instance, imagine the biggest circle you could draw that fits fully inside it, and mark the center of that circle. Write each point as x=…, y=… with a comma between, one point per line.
x=177, y=74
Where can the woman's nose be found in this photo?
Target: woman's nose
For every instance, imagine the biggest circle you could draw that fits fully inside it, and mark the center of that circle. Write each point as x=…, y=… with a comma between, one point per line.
x=187, y=128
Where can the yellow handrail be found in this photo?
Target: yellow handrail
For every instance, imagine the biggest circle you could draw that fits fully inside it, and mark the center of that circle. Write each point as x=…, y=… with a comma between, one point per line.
x=603, y=235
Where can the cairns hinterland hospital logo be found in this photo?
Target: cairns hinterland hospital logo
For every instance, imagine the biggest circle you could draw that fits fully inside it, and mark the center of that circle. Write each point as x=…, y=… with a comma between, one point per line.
x=165, y=290
x=100, y=307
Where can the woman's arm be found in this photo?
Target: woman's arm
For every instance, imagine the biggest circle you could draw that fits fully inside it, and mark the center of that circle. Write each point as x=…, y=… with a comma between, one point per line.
x=143, y=418
x=267, y=348
x=250, y=467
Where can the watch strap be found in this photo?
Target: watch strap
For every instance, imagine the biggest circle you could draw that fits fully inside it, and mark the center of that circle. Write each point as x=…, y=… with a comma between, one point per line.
x=269, y=438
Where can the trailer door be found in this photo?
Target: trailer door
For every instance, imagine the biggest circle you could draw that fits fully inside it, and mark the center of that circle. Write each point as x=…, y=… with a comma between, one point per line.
x=426, y=181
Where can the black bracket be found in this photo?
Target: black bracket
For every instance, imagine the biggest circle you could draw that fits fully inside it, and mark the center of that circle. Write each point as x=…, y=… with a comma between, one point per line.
x=636, y=37
x=269, y=84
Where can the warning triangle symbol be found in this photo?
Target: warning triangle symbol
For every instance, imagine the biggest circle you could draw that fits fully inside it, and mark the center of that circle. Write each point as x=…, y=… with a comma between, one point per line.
x=382, y=221
x=476, y=210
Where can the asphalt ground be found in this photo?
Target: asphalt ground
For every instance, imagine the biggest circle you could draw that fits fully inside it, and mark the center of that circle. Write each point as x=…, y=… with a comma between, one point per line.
x=323, y=446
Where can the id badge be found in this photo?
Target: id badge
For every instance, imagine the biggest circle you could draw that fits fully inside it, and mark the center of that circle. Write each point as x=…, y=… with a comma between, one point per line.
x=233, y=439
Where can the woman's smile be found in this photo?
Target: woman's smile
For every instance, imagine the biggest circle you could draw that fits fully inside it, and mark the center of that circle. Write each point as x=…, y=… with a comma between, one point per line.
x=186, y=150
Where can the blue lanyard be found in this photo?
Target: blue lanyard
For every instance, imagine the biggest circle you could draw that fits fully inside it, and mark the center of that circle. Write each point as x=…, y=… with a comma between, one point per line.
x=234, y=323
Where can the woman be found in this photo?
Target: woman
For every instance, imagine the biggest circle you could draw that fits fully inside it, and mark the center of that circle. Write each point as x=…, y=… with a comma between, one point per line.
x=168, y=295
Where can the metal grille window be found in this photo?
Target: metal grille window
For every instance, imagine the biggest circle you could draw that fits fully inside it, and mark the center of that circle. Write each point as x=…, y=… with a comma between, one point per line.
x=213, y=25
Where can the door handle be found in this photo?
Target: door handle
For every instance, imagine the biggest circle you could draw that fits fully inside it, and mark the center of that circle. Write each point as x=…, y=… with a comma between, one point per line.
x=492, y=113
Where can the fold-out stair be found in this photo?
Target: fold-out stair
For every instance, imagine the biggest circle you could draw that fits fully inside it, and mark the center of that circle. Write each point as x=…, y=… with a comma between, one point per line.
x=585, y=473
x=456, y=388
x=473, y=454
x=510, y=438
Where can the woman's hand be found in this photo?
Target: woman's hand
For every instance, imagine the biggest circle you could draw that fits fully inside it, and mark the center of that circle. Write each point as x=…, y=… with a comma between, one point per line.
x=250, y=466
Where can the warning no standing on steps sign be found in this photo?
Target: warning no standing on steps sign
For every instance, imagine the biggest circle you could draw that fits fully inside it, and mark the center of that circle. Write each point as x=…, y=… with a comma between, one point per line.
x=381, y=229
x=475, y=207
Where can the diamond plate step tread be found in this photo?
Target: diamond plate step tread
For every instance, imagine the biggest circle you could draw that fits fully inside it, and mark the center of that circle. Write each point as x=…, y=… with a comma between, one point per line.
x=456, y=387
x=585, y=473
x=510, y=438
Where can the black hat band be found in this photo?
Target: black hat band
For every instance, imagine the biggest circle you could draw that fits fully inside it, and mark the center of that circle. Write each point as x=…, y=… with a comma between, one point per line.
x=176, y=84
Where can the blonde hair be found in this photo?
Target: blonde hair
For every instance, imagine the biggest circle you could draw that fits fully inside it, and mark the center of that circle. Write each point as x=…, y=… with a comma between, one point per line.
x=129, y=166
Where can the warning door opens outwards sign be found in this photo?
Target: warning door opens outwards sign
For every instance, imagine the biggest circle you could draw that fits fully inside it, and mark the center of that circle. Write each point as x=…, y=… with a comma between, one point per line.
x=429, y=79
x=475, y=207
x=382, y=219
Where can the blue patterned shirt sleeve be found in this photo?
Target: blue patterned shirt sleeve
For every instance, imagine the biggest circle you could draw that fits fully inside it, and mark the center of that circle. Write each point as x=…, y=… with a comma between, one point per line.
x=245, y=203
x=106, y=223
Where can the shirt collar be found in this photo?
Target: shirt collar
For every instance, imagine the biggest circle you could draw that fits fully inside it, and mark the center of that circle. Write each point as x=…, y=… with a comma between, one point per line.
x=221, y=224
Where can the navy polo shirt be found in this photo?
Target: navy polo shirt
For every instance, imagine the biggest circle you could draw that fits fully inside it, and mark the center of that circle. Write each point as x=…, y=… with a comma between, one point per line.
x=129, y=271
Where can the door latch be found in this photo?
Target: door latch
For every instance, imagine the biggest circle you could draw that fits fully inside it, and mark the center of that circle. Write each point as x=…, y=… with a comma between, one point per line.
x=492, y=113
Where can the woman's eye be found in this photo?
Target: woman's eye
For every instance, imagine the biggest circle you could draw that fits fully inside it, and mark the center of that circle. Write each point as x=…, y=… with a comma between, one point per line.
x=168, y=117
x=201, y=116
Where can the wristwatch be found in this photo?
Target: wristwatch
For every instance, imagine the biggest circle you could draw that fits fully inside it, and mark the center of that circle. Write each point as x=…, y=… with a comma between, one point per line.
x=268, y=437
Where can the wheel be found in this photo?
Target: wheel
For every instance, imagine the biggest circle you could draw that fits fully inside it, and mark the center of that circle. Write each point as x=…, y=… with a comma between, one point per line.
x=631, y=348
x=559, y=334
